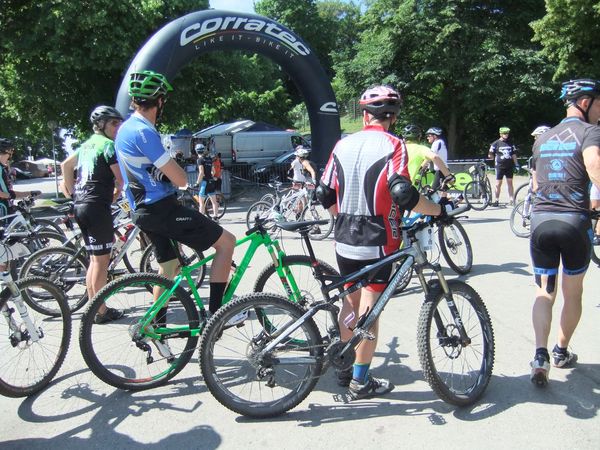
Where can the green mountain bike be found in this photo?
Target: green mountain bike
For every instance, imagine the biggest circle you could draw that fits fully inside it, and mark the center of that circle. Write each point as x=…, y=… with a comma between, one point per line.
x=142, y=350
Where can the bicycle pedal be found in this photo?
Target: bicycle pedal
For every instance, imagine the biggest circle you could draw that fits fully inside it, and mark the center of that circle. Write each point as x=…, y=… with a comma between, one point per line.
x=364, y=334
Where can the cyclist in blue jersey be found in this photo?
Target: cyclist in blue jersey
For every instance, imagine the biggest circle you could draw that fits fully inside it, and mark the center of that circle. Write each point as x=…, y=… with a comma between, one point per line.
x=151, y=177
x=565, y=159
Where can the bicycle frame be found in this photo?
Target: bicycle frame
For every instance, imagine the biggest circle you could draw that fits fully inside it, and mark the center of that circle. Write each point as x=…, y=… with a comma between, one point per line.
x=415, y=256
x=255, y=238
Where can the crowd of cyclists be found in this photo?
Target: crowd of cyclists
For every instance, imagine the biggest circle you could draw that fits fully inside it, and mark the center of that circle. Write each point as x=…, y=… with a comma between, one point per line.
x=367, y=184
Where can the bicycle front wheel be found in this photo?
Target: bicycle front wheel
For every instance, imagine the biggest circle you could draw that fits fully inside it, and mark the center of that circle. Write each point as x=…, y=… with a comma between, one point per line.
x=65, y=270
x=457, y=370
x=520, y=193
x=456, y=247
x=309, y=288
x=477, y=195
x=121, y=353
x=316, y=211
x=520, y=220
x=27, y=365
x=245, y=378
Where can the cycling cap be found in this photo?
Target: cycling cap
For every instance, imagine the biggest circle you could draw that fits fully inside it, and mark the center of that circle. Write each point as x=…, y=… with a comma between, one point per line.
x=381, y=101
x=573, y=89
x=302, y=151
x=148, y=85
x=504, y=130
x=104, y=113
x=6, y=145
x=412, y=131
x=434, y=130
x=540, y=130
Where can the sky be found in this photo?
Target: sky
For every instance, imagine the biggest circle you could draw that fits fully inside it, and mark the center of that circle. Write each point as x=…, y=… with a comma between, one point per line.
x=233, y=5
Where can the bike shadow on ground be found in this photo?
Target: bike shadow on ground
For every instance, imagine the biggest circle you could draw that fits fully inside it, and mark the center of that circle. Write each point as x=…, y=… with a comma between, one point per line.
x=513, y=267
x=78, y=393
x=578, y=394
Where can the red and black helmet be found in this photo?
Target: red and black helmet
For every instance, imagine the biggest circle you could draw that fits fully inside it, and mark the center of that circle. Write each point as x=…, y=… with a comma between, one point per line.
x=381, y=101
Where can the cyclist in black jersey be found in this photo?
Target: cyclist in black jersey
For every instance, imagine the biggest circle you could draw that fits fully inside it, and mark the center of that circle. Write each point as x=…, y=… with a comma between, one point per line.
x=565, y=159
x=504, y=154
x=7, y=194
x=99, y=183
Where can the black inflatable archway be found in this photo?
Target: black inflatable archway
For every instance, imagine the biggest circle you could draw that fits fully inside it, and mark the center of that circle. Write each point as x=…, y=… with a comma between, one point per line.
x=181, y=40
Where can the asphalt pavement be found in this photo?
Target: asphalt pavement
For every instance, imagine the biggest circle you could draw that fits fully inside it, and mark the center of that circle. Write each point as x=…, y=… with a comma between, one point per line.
x=79, y=411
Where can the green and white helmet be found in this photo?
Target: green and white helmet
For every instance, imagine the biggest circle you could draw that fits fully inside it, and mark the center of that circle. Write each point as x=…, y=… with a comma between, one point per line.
x=148, y=85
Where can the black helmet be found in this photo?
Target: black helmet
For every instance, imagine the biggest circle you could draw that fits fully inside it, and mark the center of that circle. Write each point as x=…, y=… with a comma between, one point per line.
x=434, y=130
x=573, y=89
x=104, y=113
x=381, y=101
x=6, y=145
x=412, y=131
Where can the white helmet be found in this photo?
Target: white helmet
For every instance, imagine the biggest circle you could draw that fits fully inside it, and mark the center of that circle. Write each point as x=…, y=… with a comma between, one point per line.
x=302, y=151
x=540, y=130
x=199, y=148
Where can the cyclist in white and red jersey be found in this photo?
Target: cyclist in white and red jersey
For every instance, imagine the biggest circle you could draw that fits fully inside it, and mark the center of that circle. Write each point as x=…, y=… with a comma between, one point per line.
x=366, y=184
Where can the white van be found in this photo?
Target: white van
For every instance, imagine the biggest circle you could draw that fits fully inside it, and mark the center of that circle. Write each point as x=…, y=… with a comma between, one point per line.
x=254, y=147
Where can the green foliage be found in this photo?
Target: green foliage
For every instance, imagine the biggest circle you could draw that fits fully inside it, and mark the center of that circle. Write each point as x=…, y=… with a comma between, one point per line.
x=466, y=66
x=569, y=34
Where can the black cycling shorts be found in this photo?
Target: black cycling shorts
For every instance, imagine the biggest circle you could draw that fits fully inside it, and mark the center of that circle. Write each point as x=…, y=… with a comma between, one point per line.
x=96, y=225
x=556, y=236
x=348, y=266
x=167, y=220
x=502, y=172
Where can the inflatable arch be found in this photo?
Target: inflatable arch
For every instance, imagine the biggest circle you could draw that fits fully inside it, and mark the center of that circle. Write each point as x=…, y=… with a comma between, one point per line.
x=178, y=42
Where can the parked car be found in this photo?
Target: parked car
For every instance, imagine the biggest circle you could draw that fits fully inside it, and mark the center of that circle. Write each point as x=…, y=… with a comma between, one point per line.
x=36, y=169
x=19, y=174
x=278, y=168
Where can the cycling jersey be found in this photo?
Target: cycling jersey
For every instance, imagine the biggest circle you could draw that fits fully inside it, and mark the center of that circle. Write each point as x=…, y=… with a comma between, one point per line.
x=207, y=164
x=503, y=152
x=217, y=167
x=95, y=179
x=5, y=186
x=439, y=147
x=138, y=148
x=298, y=169
x=416, y=155
x=559, y=168
x=359, y=170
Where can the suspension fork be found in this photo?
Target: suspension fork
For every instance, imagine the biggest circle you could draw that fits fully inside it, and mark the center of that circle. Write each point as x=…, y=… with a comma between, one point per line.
x=34, y=334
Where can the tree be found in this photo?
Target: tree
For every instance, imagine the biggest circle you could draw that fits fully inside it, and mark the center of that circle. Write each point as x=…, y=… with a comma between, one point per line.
x=60, y=59
x=466, y=66
x=569, y=36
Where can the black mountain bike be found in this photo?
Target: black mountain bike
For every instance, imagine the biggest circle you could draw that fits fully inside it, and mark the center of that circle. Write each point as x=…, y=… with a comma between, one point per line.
x=268, y=364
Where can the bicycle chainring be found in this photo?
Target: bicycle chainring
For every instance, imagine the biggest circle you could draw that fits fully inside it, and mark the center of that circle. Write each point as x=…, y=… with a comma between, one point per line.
x=337, y=359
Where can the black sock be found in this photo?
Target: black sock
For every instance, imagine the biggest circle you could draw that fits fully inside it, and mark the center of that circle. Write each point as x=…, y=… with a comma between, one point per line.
x=544, y=352
x=161, y=317
x=216, y=296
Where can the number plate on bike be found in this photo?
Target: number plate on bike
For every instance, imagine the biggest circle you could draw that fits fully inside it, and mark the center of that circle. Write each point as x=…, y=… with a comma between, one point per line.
x=425, y=238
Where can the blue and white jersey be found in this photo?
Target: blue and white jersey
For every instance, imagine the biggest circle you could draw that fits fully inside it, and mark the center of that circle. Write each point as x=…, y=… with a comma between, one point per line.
x=138, y=147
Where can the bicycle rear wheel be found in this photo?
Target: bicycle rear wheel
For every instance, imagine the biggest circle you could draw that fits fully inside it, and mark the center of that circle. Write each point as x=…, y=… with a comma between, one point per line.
x=65, y=270
x=477, y=195
x=249, y=381
x=316, y=211
x=457, y=373
x=520, y=193
x=222, y=206
x=28, y=366
x=120, y=353
x=456, y=247
x=261, y=210
x=595, y=248
x=148, y=263
x=520, y=220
